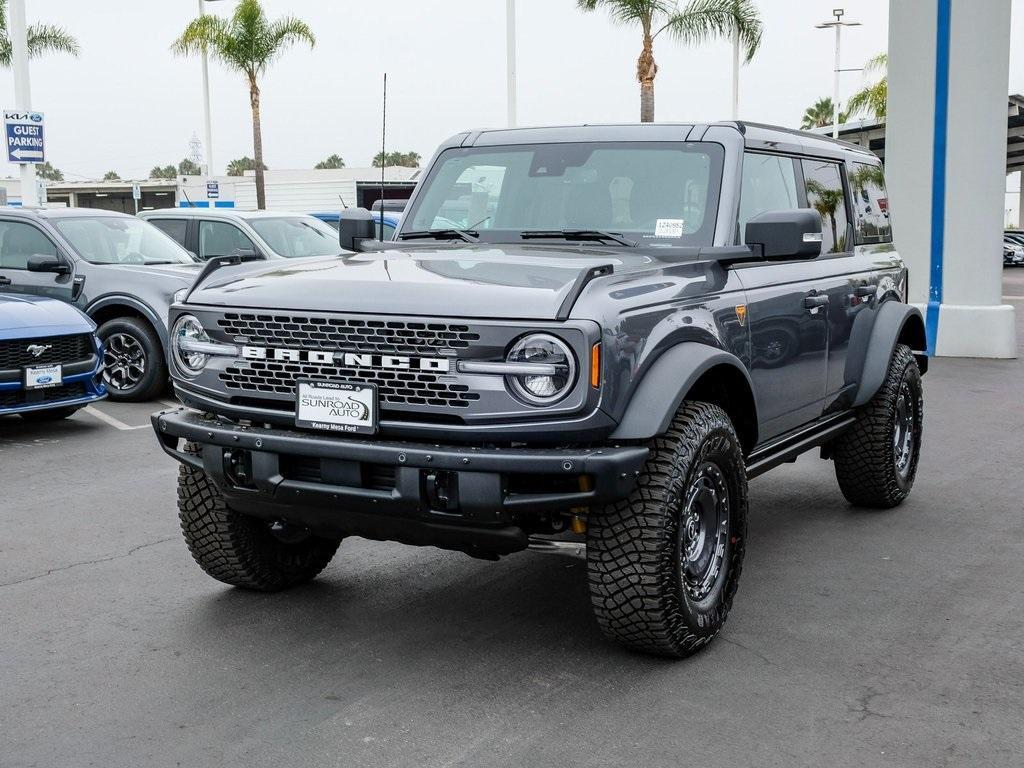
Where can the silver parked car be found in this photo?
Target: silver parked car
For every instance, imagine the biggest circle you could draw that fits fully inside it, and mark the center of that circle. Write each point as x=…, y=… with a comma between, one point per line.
x=209, y=232
x=120, y=271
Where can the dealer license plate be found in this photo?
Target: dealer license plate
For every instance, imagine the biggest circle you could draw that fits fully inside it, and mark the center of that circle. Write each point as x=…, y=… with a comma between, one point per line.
x=336, y=406
x=43, y=376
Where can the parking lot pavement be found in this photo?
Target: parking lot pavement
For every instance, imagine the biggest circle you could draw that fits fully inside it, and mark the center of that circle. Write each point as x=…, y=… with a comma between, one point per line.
x=857, y=638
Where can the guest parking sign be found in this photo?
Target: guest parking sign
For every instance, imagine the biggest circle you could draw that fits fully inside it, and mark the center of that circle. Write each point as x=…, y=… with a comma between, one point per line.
x=25, y=142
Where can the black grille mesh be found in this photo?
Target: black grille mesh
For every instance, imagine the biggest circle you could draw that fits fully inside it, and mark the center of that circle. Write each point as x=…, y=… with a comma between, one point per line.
x=349, y=334
x=62, y=349
x=394, y=387
x=11, y=398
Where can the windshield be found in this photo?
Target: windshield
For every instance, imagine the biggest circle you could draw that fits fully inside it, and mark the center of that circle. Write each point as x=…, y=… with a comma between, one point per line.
x=120, y=240
x=653, y=193
x=295, y=236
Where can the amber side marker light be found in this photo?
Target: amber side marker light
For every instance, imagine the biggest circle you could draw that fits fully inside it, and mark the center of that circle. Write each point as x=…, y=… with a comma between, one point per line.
x=595, y=365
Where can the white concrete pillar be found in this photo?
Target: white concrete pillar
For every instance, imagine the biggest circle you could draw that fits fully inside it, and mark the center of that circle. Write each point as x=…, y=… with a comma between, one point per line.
x=946, y=167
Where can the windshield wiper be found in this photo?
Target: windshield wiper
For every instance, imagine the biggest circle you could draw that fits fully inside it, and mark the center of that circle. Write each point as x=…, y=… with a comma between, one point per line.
x=466, y=235
x=577, y=234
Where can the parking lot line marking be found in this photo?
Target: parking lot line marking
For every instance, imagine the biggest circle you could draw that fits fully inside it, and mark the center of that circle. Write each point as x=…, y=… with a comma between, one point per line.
x=115, y=423
x=1013, y=298
x=170, y=403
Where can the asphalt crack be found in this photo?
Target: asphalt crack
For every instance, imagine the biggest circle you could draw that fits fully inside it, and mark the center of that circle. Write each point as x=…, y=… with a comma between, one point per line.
x=98, y=560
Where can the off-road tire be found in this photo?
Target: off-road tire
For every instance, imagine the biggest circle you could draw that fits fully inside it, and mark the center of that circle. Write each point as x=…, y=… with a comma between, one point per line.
x=154, y=380
x=50, y=414
x=866, y=454
x=634, y=546
x=238, y=549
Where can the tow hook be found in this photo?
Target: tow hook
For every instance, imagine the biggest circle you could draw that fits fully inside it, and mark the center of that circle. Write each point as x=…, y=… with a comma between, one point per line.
x=238, y=468
x=441, y=490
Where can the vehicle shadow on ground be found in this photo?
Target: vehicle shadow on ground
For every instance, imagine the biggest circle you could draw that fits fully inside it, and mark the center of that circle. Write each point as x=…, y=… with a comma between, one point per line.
x=15, y=428
x=361, y=611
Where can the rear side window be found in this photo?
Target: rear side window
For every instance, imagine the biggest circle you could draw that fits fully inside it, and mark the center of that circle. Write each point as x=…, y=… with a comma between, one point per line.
x=769, y=184
x=824, y=184
x=18, y=241
x=870, y=204
x=173, y=227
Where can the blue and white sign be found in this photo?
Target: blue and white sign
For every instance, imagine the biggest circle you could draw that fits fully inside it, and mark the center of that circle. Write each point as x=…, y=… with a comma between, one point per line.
x=25, y=139
x=212, y=190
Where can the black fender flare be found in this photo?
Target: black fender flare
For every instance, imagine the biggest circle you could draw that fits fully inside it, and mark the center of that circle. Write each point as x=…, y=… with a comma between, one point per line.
x=895, y=320
x=669, y=378
x=159, y=326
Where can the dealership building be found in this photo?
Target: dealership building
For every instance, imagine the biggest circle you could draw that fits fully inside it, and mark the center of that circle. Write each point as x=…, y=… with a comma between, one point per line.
x=287, y=190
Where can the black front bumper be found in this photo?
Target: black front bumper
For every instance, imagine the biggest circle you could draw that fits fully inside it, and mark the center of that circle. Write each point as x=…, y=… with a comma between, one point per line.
x=458, y=497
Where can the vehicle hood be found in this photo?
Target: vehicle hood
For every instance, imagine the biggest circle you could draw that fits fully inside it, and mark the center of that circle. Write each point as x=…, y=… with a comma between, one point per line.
x=181, y=273
x=28, y=316
x=476, y=280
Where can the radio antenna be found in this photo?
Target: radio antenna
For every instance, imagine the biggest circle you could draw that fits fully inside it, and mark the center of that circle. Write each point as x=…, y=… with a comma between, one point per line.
x=383, y=147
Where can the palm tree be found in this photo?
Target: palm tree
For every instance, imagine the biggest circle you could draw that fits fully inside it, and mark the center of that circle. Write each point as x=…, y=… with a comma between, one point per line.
x=248, y=42
x=872, y=97
x=42, y=38
x=826, y=201
x=697, y=22
x=820, y=114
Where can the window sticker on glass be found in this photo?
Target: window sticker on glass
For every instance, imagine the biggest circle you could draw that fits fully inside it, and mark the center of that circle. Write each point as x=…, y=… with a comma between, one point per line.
x=669, y=228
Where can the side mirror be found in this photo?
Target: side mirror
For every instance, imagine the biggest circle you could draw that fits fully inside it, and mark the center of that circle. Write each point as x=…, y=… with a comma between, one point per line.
x=794, y=234
x=354, y=226
x=41, y=262
x=249, y=254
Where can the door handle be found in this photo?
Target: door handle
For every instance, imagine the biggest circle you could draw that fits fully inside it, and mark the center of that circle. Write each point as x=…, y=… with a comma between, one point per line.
x=817, y=300
x=5, y=280
x=866, y=290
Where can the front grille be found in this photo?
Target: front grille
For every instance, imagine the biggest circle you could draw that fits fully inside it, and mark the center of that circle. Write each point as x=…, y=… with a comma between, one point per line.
x=61, y=349
x=396, y=388
x=393, y=387
x=349, y=334
x=12, y=398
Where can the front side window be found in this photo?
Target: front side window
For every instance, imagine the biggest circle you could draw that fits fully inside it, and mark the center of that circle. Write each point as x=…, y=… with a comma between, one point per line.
x=824, y=184
x=768, y=184
x=649, y=192
x=297, y=236
x=218, y=238
x=870, y=203
x=18, y=241
x=120, y=240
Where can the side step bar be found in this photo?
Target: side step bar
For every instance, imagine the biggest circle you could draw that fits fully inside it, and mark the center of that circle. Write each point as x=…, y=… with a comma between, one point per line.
x=789, y=447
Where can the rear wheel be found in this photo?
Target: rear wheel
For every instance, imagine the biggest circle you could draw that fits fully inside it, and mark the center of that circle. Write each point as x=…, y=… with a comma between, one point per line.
x=241, y=550
x=133, y=360
x=664, y=564
x=876, y=459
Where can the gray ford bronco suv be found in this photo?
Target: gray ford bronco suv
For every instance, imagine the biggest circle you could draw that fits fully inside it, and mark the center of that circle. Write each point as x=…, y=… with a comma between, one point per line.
x=590, y=334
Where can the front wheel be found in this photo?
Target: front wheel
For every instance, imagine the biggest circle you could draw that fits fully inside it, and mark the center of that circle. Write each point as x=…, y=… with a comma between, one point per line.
x=876, y=459
x=664, y=564
x=133, y=360
x=240, y=550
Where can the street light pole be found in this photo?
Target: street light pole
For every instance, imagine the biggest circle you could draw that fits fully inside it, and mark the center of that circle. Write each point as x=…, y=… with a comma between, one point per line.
x=22, y=91
x=736, y=76
x=206, y=106
x=510, y=59
x=838, y=24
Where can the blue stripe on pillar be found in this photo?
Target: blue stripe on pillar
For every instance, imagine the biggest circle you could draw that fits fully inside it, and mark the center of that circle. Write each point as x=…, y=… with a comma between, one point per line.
x=942, y=37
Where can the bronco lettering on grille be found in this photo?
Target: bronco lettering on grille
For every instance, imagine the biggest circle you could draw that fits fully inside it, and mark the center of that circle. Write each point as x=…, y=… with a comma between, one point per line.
x=349, y=359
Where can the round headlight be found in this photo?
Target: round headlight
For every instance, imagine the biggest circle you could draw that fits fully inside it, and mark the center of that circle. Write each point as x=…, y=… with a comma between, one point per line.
x=187, y=328
x=555, y=369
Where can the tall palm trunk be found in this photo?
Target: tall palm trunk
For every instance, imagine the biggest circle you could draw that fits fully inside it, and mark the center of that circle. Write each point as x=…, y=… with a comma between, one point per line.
x=257, y=141
x=646, y=70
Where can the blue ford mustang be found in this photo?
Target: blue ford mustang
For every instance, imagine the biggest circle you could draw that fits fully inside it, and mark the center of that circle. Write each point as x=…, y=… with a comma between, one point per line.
x=50, y=358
